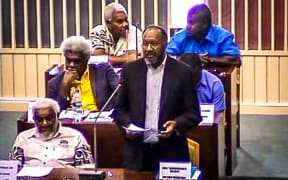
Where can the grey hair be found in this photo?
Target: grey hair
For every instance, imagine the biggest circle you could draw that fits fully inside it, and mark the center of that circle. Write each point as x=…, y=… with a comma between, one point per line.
x=46, y=103
x=113, y=8
x=77, y=44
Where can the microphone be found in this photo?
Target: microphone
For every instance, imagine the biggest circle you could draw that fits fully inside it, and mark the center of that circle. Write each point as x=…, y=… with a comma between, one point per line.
x=127, y=55
x=99, y=175
x=136, y=34
x=97, y=117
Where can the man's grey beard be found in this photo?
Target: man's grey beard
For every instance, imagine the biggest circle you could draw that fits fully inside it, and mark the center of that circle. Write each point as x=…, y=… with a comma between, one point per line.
x=45, y=137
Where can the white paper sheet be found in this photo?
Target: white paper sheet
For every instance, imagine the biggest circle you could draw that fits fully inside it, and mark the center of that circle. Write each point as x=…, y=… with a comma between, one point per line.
x=134, y=128
x=104, y=117
x=175, y=170
x=68, y=114
x=207, y=113
x=8, y=169
x=35, y=171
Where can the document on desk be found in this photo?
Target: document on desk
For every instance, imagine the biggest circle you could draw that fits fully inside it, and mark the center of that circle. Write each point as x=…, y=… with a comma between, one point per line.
x=104, y=117
x=8, y=169
x=69, y=114
x=34, y=171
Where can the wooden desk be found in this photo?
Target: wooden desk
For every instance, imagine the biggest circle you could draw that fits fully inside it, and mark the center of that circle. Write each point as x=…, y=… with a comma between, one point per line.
x=110, y=144
x=212, y=145
x=228, y=76
x=72, y=174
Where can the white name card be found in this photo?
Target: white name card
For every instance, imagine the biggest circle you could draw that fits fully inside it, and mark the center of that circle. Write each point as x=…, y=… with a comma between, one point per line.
x=175, y=170
x=8, y=170
x=207, y=113
x=30, y=115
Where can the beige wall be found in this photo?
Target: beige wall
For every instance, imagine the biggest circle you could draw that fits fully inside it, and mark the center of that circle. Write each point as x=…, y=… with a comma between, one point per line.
x=263, y=78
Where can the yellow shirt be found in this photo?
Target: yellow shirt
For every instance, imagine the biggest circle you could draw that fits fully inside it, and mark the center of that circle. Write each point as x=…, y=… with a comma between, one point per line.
x=87, y=96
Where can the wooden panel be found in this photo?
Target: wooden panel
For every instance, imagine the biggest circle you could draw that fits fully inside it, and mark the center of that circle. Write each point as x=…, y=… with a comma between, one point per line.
x=54, y=59
x=42, y=65
x=260, y=80
x=279, y=24
x=241, y=82
x=7, y=75
x=32, y=24
x=283, y=74
x=226, y=14
x=266, y=24
x=6, y=24
x=264, y=109
x=162, y=13
x=71, y=18
x=45, y=27
x=248, y=77
x=273, y=79
x=58, y=20
x=31, y=75
x=84, y=18
x=253, y=24
x=97, y=12
x=149, y=17
x=19, y=75
x=19, y=23
x=213, y=5
x=62, y=59
x=239, y=23
x=136, y=12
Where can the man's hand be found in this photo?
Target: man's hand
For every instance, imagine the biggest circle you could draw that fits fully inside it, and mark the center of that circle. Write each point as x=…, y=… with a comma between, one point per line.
x=170, y=128
x=204, y=58
x=69, y=77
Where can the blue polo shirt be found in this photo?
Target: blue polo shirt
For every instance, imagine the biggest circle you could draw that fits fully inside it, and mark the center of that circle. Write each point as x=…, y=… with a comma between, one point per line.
x=218, y=42
x=210, y=90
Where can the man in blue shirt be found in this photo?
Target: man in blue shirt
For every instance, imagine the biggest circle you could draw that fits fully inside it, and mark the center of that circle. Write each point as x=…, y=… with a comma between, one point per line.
x=209, y=87
x=214, y=44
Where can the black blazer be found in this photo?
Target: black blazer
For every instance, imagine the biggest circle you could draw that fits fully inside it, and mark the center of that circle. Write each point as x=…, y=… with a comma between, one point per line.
x=178, y=102
x=103, y=82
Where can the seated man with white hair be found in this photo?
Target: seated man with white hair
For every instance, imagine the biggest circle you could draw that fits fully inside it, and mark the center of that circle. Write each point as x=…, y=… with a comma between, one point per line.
x=117, y=37
x=49, y=143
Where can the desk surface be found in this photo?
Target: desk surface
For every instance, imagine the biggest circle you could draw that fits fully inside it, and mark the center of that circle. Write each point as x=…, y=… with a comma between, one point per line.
x=72, y=174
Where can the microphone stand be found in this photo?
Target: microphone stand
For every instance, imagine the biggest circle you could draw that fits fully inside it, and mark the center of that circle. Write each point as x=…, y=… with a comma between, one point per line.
x=97, y=117
x=98, y=175
x=127, y=54
x=136, y=34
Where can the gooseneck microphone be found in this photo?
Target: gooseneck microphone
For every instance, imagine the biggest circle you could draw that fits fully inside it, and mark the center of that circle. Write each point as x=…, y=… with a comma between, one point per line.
x=95, y=121
x=98, y=175
x=136, y=34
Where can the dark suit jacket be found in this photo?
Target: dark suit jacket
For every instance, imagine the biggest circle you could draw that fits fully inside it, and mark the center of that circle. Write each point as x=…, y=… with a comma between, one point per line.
x=178, y=102
x=103, y=81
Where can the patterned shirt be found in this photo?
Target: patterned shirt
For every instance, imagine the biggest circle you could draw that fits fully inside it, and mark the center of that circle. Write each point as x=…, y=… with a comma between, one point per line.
x=101, y=38
x=67, y=147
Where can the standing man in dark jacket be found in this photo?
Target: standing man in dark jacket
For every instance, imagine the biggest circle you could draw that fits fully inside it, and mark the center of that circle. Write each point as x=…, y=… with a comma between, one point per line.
x=156, y=95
